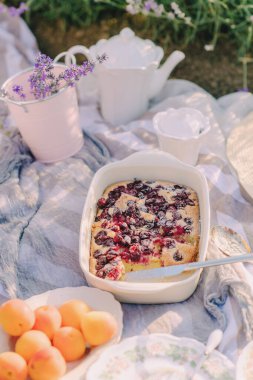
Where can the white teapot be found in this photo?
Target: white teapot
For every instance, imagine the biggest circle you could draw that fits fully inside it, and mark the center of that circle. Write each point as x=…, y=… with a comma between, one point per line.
x=130, y=76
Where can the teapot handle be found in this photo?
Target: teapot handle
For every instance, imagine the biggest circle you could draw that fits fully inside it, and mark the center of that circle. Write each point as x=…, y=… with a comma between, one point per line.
x=77, y=49
x=70, y=58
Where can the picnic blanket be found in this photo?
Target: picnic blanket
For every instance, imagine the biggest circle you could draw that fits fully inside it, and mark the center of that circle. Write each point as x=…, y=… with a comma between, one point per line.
x=41, y=205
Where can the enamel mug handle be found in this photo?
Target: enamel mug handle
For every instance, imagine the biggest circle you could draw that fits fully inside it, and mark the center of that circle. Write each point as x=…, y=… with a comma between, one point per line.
x=70, y=59
x=78, y=49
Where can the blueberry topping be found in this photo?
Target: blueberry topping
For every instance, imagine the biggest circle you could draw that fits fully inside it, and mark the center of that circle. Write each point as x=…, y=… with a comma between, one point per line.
x=123, y=226
x=178, y=187
x=178, y=256
x=169, y=243
x=144, y=235
x=145, y=242
x=97, y=253
x=101, y=273
x=150, y=225
x=187, y=229
x=127, y=240
x=100, y=237
x=133, y=235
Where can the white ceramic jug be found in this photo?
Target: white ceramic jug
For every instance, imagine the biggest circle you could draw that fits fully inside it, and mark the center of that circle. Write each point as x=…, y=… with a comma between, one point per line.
x=130, y=76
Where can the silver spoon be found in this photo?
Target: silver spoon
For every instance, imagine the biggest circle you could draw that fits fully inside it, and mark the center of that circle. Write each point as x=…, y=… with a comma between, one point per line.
x=213, y=342
x=227, y=240
x=230, y=242
x=174, y=270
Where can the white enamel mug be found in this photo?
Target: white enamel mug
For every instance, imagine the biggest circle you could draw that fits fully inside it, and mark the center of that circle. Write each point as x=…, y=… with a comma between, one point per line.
x=181, y=132
x=50, y=127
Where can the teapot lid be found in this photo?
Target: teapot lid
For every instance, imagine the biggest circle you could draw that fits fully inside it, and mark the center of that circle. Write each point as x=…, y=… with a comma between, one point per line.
x=125, y=50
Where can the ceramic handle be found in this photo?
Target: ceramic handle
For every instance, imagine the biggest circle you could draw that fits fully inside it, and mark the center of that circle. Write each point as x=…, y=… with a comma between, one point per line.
x=69, y=58
x=3, y=99
x=213, y=341
x=78, y=49
x=7, y=100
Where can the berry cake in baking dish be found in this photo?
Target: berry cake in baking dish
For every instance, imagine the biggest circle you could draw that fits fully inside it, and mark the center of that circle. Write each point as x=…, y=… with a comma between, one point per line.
x=143, y=225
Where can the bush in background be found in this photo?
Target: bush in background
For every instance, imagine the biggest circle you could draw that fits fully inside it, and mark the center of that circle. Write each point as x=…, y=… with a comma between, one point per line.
x=185, y=21
x=181, y=22
x=194, y=26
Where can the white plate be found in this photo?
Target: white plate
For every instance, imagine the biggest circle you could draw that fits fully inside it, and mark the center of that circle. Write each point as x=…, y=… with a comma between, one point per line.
x=96, y=299
x=159, y=357
x=240, y=154
x=151, y=165
x=244, y=365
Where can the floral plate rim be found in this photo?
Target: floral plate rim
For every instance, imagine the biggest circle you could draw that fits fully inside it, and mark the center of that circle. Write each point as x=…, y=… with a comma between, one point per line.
x=114, y=354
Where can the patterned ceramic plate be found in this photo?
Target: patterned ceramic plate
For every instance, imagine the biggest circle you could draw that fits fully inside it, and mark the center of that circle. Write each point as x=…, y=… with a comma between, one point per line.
x=159, y=357
x=240, y=154
x=96, y=299
x=244, y=366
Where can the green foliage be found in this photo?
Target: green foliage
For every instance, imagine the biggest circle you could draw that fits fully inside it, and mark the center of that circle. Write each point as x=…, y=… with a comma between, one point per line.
x=72, y=12
x=77, y=12
x=205, y=20
x=210, y=21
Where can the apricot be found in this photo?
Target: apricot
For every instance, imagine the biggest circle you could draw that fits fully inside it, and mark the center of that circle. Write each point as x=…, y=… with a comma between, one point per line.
x=70, y=342
x=47, y=319
x=98, y=327
x=72, y=312
x=47, y=364
x=31, y=342
x=12, y=366
x=16, y=317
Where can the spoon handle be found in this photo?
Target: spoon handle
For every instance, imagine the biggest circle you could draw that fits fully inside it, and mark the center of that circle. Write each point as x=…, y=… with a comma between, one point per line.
x=177, y=269
x=216, y=262
x=213, y=342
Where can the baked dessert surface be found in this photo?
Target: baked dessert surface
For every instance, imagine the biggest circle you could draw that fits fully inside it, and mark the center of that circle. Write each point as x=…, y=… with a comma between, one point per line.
x=143, y=225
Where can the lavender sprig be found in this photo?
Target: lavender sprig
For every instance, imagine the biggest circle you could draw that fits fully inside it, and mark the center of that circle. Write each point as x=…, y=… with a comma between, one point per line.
x=44, y=82
x=19, y=91
x=13, y=11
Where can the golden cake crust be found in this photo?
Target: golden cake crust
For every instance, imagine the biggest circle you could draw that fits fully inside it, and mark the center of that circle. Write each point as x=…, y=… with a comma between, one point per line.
x=142, y=225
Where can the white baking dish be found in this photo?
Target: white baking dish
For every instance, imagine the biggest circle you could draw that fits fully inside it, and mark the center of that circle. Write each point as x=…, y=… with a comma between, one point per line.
x=150, y=165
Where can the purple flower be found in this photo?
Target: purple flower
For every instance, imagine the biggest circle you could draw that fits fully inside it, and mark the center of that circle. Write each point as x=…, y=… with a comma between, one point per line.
x=43, y=62
x=23, y=7
x=150, y=5
x=75, y=72
x=147, y=5
x=19, y=91
x=14, y=12
x=44, y=82
x=244, y=89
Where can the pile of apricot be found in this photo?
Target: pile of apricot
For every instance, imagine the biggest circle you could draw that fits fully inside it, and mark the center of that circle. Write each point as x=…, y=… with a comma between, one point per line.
x=48, y=337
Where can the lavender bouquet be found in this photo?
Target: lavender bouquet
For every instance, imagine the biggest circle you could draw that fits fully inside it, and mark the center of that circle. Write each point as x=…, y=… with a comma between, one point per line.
x=48, y=124
x=43, y=82
x=14, y=11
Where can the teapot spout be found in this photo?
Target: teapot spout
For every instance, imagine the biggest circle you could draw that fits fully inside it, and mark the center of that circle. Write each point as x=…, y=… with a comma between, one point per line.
x=161, y=74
